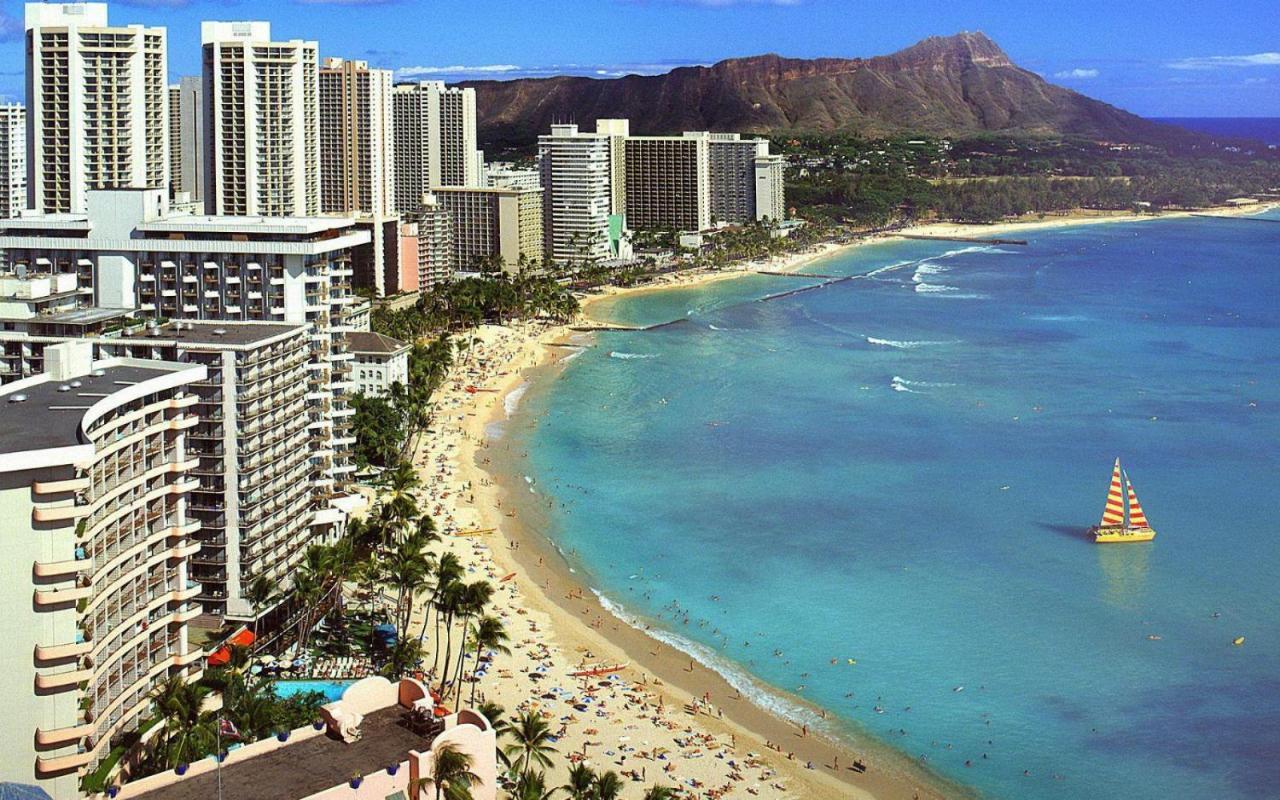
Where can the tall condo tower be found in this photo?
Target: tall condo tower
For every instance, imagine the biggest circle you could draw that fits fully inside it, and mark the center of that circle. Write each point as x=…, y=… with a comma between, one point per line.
x=13, y=159
x=97, y=105
x=186, y=138
x=580, y=221
x=261, y=122
x=435, y=140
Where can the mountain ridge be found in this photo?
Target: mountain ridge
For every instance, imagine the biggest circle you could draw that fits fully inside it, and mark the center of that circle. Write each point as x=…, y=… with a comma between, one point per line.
x=956, y=85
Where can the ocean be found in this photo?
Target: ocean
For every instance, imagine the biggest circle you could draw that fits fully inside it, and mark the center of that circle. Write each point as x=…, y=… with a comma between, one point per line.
x=1264, y=129
x=873, y=496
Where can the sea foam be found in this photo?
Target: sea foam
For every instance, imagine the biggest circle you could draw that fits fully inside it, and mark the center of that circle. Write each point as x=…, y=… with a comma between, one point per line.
x=630, y=356
x=758, y=694
x=512, y=401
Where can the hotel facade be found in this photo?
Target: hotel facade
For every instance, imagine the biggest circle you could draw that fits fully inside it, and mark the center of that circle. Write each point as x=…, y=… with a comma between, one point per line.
x=97, y=485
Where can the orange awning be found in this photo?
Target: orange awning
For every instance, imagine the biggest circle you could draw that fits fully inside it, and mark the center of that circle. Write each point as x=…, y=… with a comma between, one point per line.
x=241, y=638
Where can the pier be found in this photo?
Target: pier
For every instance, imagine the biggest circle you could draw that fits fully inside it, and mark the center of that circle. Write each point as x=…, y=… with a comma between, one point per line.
x=1240, y=219
x=794, y=274
x=969, y=239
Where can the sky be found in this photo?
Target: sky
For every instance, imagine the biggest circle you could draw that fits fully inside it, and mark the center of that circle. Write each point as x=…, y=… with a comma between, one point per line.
x=1160, y=59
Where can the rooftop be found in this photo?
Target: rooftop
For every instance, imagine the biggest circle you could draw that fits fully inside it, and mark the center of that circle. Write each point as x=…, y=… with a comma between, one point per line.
x=89, y=315
x=368, y=342
x=220, y=333
x=275, y=226
x=50, y=418
x=307, y=766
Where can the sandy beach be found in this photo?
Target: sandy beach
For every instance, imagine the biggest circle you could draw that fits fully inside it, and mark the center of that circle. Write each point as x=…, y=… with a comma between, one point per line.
x=664, y=718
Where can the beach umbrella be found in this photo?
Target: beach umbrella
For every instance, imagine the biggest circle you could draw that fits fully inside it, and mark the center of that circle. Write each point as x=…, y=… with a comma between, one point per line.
x=22, y=791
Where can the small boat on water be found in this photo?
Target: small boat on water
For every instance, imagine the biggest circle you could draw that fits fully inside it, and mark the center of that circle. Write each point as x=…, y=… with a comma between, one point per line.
x=1123, y=519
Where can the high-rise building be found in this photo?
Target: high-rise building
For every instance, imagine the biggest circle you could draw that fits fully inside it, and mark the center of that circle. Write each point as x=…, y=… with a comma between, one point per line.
x=357, y=163
x=97, y=592
x=426, y=247
x=494, y=223
x=261, y=122
x=254, y=500
x=356, y=139
x=130, y=252
x=97, y=105
x=669, y=182
x=505, y=175
x=186, y=139
x=617, y=130
x=580, y=224
x=771, y=201
x=13, y=159
x=435, y=140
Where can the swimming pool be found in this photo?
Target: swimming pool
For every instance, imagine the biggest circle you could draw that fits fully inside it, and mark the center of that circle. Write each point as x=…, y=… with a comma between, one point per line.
x=332, y=690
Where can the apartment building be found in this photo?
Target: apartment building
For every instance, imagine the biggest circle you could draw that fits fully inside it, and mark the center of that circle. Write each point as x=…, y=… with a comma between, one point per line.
x=129, y=252
x=98, y=542
x=261, y=122
x=186, y=140
x=426, y=247
x=356, y=139
x=669, y=182
x=13, y=159
x=492, y=223
x=97, y=105
x=580, y=224
x=435, y=140
x=254, y=500
x=733, y=177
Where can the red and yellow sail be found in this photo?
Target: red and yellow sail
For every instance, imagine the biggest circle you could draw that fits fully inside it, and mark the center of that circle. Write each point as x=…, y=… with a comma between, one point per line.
x=1137, y=519
x=1113, y=514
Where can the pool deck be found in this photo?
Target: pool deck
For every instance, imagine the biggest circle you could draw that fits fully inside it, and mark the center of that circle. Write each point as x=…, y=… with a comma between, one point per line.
x=309, y=766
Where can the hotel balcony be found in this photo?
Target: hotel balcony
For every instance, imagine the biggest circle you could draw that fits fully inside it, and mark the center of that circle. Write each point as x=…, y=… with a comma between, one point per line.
x=59, y=513
x=61, y=764
x=49, y=569
x=62, y=652
x=54, y=597
x=60, y=736
x=58, y=487
x=62, y=680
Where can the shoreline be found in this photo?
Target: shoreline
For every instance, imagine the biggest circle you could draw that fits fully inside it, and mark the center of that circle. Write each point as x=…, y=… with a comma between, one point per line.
x=579, y=621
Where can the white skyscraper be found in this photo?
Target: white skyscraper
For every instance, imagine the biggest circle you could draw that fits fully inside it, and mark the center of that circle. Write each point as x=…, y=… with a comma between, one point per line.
x=580, y=224
x=435, y=140
x=261, y=119
x=97, y=104
x=13, y=159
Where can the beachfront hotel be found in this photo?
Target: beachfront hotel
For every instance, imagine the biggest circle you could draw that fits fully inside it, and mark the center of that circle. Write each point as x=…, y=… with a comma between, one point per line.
x=746, y=180
x=98, y=543
x=97, y=105
x=426, y=247
x=493, y=222
x=380, y=362
x=130, y=253
x=261, y=122
x=669, y=182
x=580, y=220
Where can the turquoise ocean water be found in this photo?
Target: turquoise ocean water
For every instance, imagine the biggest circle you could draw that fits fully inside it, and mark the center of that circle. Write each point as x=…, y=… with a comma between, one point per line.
x=898, y=469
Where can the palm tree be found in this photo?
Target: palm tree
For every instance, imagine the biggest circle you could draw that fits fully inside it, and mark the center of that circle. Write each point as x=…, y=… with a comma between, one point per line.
x=657, y=792
x=532, y=786
x=489, y=634
x=451, y=773
x=475, y=596
x=497, y=716
x=607, y=786
x=581, y=779
x=531, y=741
x=403, y=659
x=260, y=592
x=188, y=732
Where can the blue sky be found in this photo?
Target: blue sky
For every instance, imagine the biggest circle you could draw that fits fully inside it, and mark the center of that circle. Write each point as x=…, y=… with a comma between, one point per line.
x=1169, y=58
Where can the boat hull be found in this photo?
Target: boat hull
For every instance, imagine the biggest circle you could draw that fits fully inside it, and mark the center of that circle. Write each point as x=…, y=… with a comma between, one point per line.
x=1120, y=534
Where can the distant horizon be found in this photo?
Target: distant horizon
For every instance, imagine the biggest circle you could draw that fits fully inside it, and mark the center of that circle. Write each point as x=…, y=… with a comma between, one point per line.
x=1177, y=58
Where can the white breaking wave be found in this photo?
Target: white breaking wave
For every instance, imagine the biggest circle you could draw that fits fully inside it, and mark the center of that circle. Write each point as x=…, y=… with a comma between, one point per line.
x=512, y=401
x=629, y=356
x=898, y=345
x=900, y=384
x=747, y=686
x=573, y=355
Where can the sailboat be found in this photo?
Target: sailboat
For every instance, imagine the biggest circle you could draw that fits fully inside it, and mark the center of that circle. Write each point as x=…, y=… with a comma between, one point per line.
x=1123, y=519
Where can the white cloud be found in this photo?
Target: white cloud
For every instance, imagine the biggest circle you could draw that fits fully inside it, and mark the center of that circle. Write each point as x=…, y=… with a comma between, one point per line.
x=1214, y=62
x=1078, y=73
x=458, y=69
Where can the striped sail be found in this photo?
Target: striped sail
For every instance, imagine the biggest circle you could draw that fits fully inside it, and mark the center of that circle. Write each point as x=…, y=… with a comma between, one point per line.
x=1113, y=514
x=1137, y=519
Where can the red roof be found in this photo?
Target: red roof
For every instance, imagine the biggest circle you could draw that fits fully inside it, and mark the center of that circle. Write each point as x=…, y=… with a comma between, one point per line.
x=241, y=638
